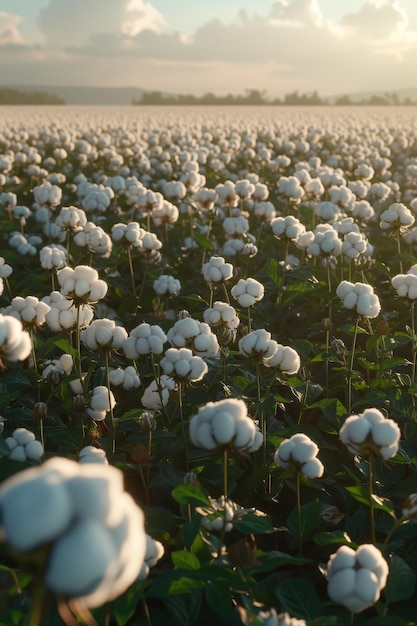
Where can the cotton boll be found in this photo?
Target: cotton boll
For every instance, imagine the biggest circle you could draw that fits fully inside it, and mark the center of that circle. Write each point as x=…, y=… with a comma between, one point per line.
x=344, y=558
x=341, y=584
x=23, y=436
x=386, y=433
x=18, y=454
x=366, y=586
x=223, y=427
x=79, y=559
x=34, y=450
x=313, y=468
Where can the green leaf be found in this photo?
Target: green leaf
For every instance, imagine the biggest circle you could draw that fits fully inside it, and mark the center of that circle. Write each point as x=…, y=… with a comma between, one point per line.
x=361, y=494
x=298, y=596
x=251, y=522
x=219, y=598
x=310, y=518
x=190, y=494
x=275, y=559
x=184, y=585
x=4, y=448
x=401, y=580
x=125, y=606
x=337, y=537
x=185, y=560
x=64, y=345
x=393, y=363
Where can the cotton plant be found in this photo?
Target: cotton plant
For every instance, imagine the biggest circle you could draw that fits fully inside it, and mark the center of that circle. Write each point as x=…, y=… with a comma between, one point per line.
x=127, y=378
x=15, y=343
x=247, y=292
x=81, y=284
x=88, y=529
x=100, y=403
x=356, y=577
x=166, y=285
x=158, y=392
x=406, y=287
x=182, y=365
x=144, y=339
x=56, y=369
x=217, y=271
x=104, y=335
x=30, y=311
x=190, y=333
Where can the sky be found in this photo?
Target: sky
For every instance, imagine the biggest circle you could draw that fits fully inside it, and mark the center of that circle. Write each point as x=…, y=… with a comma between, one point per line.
x=221, y=46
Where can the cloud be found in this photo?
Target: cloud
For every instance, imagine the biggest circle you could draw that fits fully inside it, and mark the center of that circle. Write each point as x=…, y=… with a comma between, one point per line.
x=292, y=46
x=377, y=20
x=9, y=33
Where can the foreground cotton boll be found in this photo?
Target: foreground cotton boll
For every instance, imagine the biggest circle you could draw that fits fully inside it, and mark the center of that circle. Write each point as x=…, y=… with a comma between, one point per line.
x=101, y=401
x=258, y=344
x=154, y=552
x=371, y=432
x=30, y=311
x=144, y=339
x=247, y=292
x=103, y=334
x=286, y=359
x=224, y=423
x=157, y=394
x=23, y=446
x=216, y=270
x=193, y=334
x=81, y=284
x=92, y=557
x=182, y=364
x=300, y=451
x=63, y=313
x=356, y=579
x=359, y=297
x=15, y=344
x=91, y=454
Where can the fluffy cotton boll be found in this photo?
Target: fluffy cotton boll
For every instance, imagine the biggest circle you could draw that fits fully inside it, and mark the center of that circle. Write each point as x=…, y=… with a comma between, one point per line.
x=47, y=194
x=82, y=284
x=286, y=359
x=301, y=452
x=370, y=432
x=216, y=270
x=180, y=363
x=144, y=339
x=359, y=296
x=258, y=344
x=247, y=292
x=154, y=552
x=157, y=395
x=103, y=334
x=30, y=311
x=356, y=579
x=15, y=344
x=221, y=314
x=101, y=401
x=221, y=512
x=5, y=269
x=127, y=378
x=166, y=285
x=90, y=454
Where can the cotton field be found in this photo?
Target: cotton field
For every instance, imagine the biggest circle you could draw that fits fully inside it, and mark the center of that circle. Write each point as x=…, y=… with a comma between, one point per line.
x=208, y=365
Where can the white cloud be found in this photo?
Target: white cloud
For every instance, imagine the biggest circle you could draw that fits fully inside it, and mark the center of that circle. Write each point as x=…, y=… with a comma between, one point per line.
x=9, y=33
x=142, y=16
x=377, y=20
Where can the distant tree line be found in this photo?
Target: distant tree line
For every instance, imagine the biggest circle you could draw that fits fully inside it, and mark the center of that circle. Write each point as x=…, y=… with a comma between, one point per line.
x=258, y=97
x=17, y=96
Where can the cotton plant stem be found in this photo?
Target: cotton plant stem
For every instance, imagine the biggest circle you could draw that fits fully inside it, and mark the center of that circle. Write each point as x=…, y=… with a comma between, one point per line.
x=226, y=295
x=371, y=502
x=413, y=344
x=225, y=471
x=399, y=248
x=180, y=403
x=32, y=341
x=299, y=528
x=132, y=275
x=112, y=430
x=352, y=356
x=249, y=321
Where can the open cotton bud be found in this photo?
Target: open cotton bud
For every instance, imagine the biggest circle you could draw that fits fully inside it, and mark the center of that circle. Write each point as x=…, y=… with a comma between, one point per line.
x=289, y=227
x=406, y=284
x=180, y=363
x=24, y=446
x=166, y=285
x=221, y=314
x=325, y=241
x=300, y=451
x=144, y=339
x=62, y=366
x=63, y=313
x=15, y=344
x=258, y=344
x=127, y=378
x=356, y=579
x=154, y=551
x=219, y=516
x=128, y=234
x=30, y=311
x=5, y=269
x=370, y=432
x=359, y=297
x=90, y=529
x=157, y=394
x=71, y=218
x=248, y=291
x=396, y=216
x=224, y=423
x=216, y=270
x=47, y=194
x=100, y=403
x=103, y=334
x=285, y=358
x=190, y=333
x=53, y=257
x=354, y=244
x=90, y=454
x=81, y=284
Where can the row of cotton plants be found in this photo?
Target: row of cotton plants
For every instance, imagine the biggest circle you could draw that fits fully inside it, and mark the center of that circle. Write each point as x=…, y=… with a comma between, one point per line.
x=208, y=368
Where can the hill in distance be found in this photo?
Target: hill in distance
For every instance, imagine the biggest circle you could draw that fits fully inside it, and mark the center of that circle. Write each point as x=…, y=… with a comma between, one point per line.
x=87, y=95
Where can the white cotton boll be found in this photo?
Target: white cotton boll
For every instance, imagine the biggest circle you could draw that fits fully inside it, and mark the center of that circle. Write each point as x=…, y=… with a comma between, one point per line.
x=341, y=585
x=366, y=586
x=66, y=362
x=283, y=453
x=223, y=427
x=343, y=289
x=23, y=436
x=92, y=493
x=350, y=300
x=11, y=442
x=79, y=560
x=355, y=429
x=205, y=437
x=344, y=558
x=386, y=433
x=245, y=433
x=387, y=452
x=18, y=454
x=40, y=499
x=34, y=450
x=304, y=450
x=90, y=454
x=98, y=290
x=313, y=468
